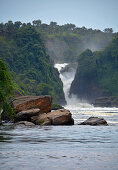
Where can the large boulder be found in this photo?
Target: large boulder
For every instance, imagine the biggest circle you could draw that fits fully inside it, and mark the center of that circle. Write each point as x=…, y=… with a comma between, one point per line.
x=61, y=117
x=94, y=121
x=32, y=102
x=58, y=117
x=26, y=115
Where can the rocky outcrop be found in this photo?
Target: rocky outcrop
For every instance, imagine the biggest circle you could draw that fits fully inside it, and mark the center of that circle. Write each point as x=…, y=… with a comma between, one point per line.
x=26, y=114
x=32, y=102
x=58, y=117
x=37, y=109
x=111, y=101
x=85, y=88
x=61, y=117
x=71, y=67
x=94, y=121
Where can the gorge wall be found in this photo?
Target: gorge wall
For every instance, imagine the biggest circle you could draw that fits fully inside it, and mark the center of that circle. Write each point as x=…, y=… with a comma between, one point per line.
x=97, y=73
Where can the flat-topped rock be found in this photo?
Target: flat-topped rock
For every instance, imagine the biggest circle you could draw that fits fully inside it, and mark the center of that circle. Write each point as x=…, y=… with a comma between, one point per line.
x=94, y=121
x=23, y=103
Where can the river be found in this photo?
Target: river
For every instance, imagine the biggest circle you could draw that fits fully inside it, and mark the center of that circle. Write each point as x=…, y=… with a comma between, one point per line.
x=76, y=147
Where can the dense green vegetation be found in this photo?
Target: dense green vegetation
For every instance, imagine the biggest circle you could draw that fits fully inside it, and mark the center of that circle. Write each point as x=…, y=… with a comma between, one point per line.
x=97, y=73
x=65, y=42
x=22, y=48
x=26, y=47
x=7, y=88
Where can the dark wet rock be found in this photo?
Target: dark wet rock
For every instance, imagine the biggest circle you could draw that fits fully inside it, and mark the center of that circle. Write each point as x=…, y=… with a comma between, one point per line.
x=61, y=117
x=94, y=121
x=111, y=101
x=26, y=123
x=32, y=102
x=26, y=115
x=68, y=68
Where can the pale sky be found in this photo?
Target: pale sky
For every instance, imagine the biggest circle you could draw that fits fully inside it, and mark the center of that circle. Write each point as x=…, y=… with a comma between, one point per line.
x=96, y=14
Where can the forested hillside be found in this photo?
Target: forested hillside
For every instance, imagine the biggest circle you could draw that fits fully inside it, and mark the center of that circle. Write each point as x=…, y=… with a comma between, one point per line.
x=22, y=48
x=65, y=42
x=30, y=50
x=97, y=73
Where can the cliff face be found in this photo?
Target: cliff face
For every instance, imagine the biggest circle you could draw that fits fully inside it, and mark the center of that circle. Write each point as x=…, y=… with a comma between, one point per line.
x=85, y=88
x=97, y=73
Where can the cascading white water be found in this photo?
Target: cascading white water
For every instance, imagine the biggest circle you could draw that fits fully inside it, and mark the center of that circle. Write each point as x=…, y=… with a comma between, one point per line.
x=67, y=74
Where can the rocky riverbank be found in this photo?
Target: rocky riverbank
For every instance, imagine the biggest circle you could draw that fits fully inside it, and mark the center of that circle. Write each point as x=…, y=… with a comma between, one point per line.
x=111, y=101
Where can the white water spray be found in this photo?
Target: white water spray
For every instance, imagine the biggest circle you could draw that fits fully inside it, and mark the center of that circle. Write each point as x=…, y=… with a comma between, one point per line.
x=67, y=74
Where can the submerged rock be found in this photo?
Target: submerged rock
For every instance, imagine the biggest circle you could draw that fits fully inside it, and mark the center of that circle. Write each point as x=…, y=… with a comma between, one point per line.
x=30, y=102
x=94, y=121
x=61, y=117
x=26, y=123
x=26, y=114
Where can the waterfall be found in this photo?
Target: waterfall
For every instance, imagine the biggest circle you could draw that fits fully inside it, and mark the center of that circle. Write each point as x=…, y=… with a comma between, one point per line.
x=67, y=73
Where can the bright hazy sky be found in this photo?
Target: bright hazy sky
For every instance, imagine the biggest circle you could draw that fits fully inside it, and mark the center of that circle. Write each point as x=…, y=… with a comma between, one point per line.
x=96, y=14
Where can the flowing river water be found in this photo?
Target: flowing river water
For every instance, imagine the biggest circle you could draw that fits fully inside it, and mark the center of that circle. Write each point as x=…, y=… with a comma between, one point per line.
x=76, y=147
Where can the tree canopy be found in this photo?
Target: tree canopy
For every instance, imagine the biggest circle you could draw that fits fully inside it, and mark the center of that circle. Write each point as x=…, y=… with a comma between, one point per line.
x=6, y=88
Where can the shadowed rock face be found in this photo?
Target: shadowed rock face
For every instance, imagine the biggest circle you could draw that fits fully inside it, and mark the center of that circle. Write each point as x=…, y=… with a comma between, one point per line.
x=94, y=121
x=111, y=101
x=32, y=102
x=41, y=119
x=26, y=115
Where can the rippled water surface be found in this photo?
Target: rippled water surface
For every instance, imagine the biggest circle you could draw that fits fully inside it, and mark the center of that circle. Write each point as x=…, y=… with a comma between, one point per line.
x=62, y=147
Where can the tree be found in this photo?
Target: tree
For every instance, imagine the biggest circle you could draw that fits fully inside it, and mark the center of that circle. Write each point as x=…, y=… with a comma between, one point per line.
x=53, y=24
x=37, y=23
x=6, y=88
x=9, y=27
x=17, y=24
x=108, y=30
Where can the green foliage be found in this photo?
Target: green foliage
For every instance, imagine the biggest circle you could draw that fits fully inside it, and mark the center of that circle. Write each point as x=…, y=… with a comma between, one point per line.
x=87, y=64
x=30, y=66
x=6, y=91
x=56, y=106
x=107, y=64
x=101, y=67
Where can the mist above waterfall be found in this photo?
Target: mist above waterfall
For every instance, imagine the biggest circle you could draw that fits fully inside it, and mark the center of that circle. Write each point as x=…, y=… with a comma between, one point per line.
x=67, y=73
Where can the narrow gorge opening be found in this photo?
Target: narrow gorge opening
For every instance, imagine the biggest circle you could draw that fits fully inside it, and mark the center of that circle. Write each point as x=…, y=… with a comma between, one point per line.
x=67, y=73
